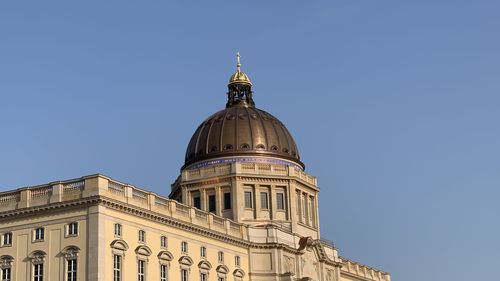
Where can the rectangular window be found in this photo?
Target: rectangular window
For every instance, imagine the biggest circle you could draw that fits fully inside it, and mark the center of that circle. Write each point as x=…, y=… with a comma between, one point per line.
x=118, y=229
x=163, y=272
x=73, y=228
x=38, y=272
x=221, y=257
x=184, y=275
x=203, y=252
x=227, y=201
x=142, y=236
x=264, y=203
x=6, y=274
x=39, y=234
x=141, y=270
x=211, y=203
x=184, y=247
x=280, y=201
x=203, y=277
x=163, y=241
x=237, y=261
x=7, y=239
x=71, y=270
x=117, y=268
x=248, y=200
x=197, y=202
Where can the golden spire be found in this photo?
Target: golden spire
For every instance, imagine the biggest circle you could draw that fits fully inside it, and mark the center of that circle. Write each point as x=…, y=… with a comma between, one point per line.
x=239, y=77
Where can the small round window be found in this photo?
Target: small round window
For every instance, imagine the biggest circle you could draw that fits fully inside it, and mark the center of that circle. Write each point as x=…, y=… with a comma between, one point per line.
x=261, y=146
x=245, y=146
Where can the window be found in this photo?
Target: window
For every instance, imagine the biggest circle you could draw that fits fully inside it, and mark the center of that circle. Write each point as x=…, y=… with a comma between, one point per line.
x=248, y=200
x=227, y=201
x=211, y=203
x=163, y=241
x=203, y=252
x=7, y=239
x=117, y=268
x=118, y=230
x=6, y=274
x=203, y=277
x=280, y=201
x=197, y=202
x=163, y=272
x=184, y=247
x=184, y=274
x=221, y=257
x=142, y=236
x=221, y=278
x=73, y=229
x=39, y=234
x=71, y=270
x=141, y=270
x=237, y=261
x=264, y=203
x=38, y=272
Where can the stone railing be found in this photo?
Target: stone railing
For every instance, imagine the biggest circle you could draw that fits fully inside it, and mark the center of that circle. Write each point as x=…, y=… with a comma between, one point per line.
x=358, y=269
x=99, y=185
x=248, y=168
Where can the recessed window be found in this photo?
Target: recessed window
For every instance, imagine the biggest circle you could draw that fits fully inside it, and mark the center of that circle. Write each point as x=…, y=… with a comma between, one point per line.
x=117, y=268
x=141, y=270
x=163, y=272
x=260, y=146
x=184, y=247
x=197, y=202
x=227, y=201
x=142, y=236
x=7, y=239
x=245, y=146
x=237, y=261
x=203, y=277
x=248, y=200
x=73, y=229
x=6, y=274
x=184, y=274
x=274, y=148
x=39, y=234
x=163, y=241
x=280, y=201
x=118, y=230
x=220, y=257
x=211, y=203
x=38, y=272
x=264, y=202
x=71, y=270
x=203, y=252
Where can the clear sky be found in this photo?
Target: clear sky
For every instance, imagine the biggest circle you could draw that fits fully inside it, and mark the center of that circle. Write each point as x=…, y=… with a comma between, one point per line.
x=394, y=106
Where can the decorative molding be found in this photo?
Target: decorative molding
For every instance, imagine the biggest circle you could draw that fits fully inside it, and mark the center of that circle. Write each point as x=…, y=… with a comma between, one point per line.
x=37, y=257
x=70, y=252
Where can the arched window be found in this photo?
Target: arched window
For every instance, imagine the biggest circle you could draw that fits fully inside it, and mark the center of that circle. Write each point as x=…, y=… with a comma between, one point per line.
x=118, y=249
x=222, y=272
x=70, y=254
x=143, y=253
x=37, y=260
x=6, y=263
x=164, y=257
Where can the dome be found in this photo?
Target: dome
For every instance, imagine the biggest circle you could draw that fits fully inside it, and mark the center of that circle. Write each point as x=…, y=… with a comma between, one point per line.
x=241, y=129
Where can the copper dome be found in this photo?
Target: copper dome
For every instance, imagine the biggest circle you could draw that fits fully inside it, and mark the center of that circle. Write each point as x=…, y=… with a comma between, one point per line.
x=241, y=129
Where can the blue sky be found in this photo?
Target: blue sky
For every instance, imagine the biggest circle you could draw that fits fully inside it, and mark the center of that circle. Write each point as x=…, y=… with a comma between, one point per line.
x=394, y=106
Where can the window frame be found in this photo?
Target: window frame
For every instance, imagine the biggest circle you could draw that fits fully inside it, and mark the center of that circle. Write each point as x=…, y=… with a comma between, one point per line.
x=39, y=234
x=227, y=201
x=248, y=199
x=4, y=272
x=220, y=257
x=163, y=242
x=203, y=251
x=38, y=271
x=118, y=230
x=141, y=274
x=163, y=272
x=280, y=202
x=264, y=200
x=141, y=236
x=184, y=247
x=117, y=270
x=71, y=270
x=72, y=229
x=212, y=203
x=10, y=237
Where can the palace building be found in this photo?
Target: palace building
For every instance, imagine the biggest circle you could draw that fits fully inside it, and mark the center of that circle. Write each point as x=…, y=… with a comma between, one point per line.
x=242, y=209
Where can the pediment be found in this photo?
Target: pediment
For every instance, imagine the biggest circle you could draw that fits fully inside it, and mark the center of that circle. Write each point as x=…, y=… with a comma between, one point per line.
x=143, y=250
x=238, y=273
x=119, y=244
x=185, y=260
x=165, y=255
x=222, y=269
x=205, y=265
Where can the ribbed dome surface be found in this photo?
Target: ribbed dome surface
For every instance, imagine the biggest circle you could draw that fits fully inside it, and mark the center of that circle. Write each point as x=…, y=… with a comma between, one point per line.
x=241, y=131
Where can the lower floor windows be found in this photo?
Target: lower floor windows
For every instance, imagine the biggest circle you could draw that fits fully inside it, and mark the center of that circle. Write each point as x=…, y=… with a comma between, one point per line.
x=71, y=270
x=38, y=272
x=141, y=270
x=163, y=272
x=117, y=268
x=203, y=277
x=6, y=274
x=184, y=275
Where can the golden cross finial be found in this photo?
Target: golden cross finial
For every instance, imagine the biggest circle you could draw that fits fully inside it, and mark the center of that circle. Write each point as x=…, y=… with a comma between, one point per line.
x=238, y=65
